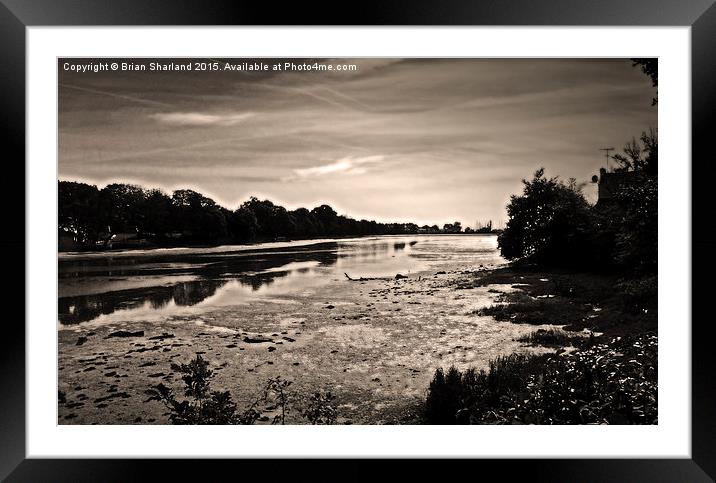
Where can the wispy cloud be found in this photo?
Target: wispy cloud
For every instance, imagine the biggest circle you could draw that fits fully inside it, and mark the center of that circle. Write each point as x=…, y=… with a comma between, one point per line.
x=201, y=119
x=113, y=94
x=347, y=165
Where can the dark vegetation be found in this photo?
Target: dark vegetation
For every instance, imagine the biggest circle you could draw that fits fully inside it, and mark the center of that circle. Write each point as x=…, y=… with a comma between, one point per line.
x=90, y=217
x=557, y=338
x=650, y=67
x=552, y=224
x=206, y=406
x=600, y=302
x=321, y=409
x=609, y=383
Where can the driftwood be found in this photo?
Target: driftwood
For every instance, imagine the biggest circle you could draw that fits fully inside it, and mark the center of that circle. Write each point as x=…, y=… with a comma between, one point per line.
x=362, y=279
x=365, y=279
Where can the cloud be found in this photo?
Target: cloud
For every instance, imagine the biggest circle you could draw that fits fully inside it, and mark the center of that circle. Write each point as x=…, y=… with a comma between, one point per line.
x=113, y=94
x=201, y=119
x=346, y=165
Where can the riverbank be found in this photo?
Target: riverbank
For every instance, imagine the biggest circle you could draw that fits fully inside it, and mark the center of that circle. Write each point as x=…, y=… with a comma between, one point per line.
x=603, y=367
x=604, y=303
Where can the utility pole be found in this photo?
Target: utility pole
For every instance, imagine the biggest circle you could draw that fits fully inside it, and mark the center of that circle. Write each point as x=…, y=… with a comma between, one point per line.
x=606, y=154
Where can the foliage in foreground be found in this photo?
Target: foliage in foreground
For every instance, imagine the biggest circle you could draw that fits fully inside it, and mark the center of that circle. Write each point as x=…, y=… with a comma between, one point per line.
x=612, y=383
x=320, y=409
x=204, y=406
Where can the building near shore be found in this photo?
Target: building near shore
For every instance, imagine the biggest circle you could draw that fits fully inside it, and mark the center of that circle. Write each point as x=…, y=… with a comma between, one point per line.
x=609, y=185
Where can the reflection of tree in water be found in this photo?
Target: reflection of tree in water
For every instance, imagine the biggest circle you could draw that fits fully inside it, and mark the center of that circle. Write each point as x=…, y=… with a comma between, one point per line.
x=191, y=293
x=260, y=280
x=73, y=310
x=215, y=271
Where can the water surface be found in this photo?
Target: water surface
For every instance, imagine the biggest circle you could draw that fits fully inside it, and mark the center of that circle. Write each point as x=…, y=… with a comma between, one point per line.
x=159, y=284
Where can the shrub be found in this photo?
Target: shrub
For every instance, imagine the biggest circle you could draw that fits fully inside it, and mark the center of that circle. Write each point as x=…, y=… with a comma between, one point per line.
x=638, y=294
x=320, y=409
x=549, y=223
x=637, y=237
x=460, y=397
x=203, y=405
x=277, y=391
x=613, y=383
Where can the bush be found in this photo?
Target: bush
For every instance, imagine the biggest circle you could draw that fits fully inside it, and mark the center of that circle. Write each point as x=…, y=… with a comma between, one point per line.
x=550, y=223
x=637, y=237
x=203, y=406
x=457, y=397
x=613, y=383
x=638, y=294
x=320, y=409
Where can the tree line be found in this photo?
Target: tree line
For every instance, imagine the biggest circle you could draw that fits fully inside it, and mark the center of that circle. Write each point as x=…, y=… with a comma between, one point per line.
x=91, y=216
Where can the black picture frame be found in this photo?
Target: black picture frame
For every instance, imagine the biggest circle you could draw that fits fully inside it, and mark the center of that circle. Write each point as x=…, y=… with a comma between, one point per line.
x=700, y=15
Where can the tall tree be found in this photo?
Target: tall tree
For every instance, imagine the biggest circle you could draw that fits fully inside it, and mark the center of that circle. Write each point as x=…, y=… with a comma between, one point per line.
x=650, y=67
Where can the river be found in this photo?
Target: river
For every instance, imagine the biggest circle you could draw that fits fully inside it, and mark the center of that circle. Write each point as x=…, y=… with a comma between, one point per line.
x=132, y=285
x=280, y=309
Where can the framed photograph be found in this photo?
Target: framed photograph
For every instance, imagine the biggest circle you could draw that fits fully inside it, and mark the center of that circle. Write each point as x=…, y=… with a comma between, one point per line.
x=422, y=232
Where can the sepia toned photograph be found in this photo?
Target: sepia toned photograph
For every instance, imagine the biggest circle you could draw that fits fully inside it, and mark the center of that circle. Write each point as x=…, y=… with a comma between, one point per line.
x=368, y=241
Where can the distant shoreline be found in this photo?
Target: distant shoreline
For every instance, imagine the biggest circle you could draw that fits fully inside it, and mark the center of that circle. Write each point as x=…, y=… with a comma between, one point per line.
x=259, y=245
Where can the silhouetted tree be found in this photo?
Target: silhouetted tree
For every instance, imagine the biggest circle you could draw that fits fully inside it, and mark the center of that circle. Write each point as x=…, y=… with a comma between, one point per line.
x=452, y=227
x=327, y=217
x=122, y=206
x=78, y=211
x=87, y=214
x=305, y=223
x=650, y=67
x=197, y=216
x=157, y=210
x=549, y=222
x=640, y=156
x=272, y=220
x=244, y=225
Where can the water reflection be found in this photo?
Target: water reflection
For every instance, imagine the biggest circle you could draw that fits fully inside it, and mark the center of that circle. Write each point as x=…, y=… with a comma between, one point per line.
x=83, y=308
x=93, y=287
x=252, y=270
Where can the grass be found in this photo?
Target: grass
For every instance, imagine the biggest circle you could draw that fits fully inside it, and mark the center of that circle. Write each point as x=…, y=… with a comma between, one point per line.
x=604, y=303
x=557, y=338
x=522, y=308
x=609, y=383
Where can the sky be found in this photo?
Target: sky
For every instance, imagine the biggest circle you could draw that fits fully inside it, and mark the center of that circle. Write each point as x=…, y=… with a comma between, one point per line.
x=429, y=141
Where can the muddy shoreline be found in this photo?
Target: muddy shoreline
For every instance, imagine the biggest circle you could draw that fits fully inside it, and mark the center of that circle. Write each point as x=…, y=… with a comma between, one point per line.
x=374, y=343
